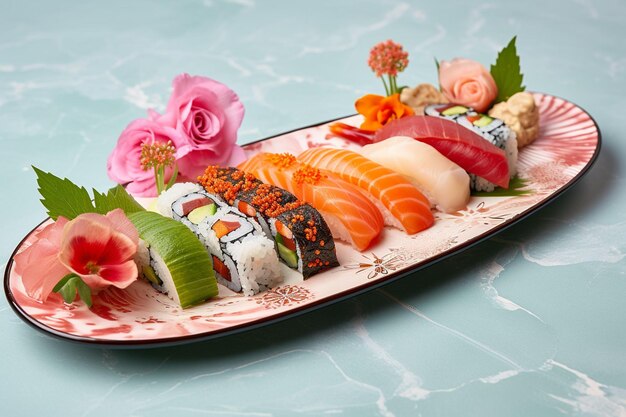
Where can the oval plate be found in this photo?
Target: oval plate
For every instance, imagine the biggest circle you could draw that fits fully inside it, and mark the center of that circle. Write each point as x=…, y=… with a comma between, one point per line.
x=567, y=147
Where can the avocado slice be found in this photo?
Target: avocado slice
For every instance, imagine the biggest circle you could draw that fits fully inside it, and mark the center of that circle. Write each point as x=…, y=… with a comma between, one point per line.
x=454, y=110
x=151, y=276
x=196, y=215
x=289, y=256
x=483, y=121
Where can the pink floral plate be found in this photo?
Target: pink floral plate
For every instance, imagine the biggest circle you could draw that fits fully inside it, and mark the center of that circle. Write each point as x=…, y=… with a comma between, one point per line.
x=567, y=147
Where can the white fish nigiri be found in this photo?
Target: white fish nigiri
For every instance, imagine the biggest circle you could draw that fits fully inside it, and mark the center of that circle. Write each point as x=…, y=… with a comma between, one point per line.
x=444, y=183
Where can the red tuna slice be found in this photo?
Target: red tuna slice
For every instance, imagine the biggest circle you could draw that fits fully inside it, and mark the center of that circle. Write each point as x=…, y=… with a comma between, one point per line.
x=457, y=143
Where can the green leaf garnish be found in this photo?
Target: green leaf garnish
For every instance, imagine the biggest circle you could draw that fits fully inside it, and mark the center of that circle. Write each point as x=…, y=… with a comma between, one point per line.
x=116, y=197
x=515, y=189
x=436, y=64
x=506, y=72
x=69, y=285
x=84, y=292
x=62, y=197
x=62, y=282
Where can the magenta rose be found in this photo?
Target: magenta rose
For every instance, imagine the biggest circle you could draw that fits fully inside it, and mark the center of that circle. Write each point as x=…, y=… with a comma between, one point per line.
x=124, y=164
x=207, y=114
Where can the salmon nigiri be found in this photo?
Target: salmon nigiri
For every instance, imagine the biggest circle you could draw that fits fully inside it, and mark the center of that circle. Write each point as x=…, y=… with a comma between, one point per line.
x=446, y=184
x=351, y=216
x=403, y=205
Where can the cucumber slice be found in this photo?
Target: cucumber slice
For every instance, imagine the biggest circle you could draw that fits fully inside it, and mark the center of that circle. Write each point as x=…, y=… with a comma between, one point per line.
x=289, y=256
x=187, y=261
x=198, y=214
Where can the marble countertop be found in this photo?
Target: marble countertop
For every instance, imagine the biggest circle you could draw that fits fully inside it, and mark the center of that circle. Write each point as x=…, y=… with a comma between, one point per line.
x=531, y=322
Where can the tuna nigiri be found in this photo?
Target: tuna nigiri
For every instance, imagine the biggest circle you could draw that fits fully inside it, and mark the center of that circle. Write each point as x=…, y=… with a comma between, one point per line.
x=457, y=143
x=402, y=204
x=351, y=216
x=444, y=183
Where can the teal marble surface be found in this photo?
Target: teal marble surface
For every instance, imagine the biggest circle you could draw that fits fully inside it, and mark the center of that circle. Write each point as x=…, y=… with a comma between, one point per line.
x=530, y=323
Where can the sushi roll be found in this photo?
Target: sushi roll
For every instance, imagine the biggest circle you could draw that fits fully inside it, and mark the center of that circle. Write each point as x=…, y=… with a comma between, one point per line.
x=244, y=259
x=187, y=203
x=173, y=260
x=494, y=130
x=304, y=240
x=299, y=232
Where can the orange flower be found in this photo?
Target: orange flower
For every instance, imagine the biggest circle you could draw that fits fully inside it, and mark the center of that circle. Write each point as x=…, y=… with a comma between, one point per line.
x=380, y=110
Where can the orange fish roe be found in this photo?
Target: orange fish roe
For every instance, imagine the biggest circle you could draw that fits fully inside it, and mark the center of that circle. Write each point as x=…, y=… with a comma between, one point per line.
x=267, y=200
x=316, y=262
x=310, y=233
x=307, y=174
x=216, y=180
x=281, y=160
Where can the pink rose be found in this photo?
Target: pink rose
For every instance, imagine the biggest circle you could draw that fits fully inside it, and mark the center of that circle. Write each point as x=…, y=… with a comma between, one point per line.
x=124, y=164
x=208, y=115
x=100, y=249
x=39, y=264
x=467, y=82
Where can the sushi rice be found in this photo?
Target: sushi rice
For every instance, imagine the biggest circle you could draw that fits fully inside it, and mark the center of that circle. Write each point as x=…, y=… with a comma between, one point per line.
x=247, y=260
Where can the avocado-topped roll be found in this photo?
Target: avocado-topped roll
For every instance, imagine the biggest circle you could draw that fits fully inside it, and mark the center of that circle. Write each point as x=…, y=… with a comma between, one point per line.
x=243, y=258
x=173, y=260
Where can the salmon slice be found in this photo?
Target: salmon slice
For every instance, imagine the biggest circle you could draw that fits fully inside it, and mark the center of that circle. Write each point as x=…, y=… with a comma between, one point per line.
x=351, y=216
x=457, y=143
x=406, y=206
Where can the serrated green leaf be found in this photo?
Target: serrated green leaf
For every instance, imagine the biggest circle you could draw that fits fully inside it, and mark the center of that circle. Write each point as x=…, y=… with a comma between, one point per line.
x=507, y=73
x=516, y=188
x=84, y=292
x=61, y=196
x=116, y=197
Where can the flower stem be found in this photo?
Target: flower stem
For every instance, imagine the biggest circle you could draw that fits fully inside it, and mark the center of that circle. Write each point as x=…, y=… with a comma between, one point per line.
x=172, y=180
x=385, y=84
x=393, y=85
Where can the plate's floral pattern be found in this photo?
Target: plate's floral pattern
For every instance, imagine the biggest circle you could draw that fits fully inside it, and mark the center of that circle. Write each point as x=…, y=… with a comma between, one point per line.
x=568, y=140
x=284, y=296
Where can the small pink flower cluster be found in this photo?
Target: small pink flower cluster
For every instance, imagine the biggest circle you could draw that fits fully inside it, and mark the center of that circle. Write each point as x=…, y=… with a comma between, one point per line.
x=154, y=155
x=201, y=122
x=388, y=58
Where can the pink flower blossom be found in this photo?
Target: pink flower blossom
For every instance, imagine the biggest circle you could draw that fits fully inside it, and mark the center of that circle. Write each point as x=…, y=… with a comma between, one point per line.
x=388, y=58
x=125, y=163
x=207, y=114
x=39, y=264
x=467, y=82
x=100, y=249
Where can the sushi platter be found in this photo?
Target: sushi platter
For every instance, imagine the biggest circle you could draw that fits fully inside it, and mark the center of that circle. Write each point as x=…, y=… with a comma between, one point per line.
x=248, y=219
